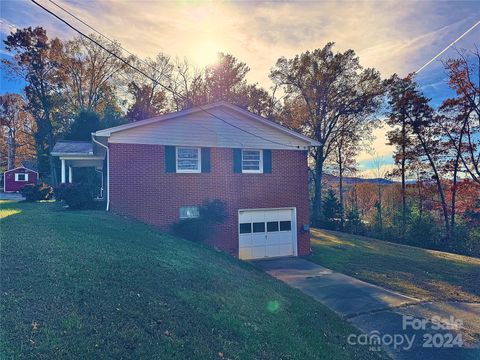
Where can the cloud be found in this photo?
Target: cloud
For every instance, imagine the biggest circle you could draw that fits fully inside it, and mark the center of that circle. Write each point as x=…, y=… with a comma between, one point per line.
x=6, y=27
x=378, y=148
x=392, y=36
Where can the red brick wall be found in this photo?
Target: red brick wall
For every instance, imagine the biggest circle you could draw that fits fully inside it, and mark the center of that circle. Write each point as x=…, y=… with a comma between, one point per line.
x=140, y=188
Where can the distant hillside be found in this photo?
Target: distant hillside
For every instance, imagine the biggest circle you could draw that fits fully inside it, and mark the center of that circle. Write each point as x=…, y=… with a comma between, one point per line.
x=332, y=179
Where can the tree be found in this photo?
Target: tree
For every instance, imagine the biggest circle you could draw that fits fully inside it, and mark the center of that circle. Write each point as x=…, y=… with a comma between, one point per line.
x=400, y=136
x=188, y=86
x=224, y=80
x=149, y=96
x=86, y=72
x=147, y=103
x=18, y=128
x=83, y=126
x=464, y=79
x=346, y=147
x=331, y=209
x=330, y=91
x=34, y=59
x=423, y=123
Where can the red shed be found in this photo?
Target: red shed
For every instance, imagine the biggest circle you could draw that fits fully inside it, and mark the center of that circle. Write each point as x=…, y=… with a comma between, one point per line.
x=15, y=179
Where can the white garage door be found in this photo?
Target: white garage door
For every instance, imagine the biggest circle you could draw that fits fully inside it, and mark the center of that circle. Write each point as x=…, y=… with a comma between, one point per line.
x=266, y=233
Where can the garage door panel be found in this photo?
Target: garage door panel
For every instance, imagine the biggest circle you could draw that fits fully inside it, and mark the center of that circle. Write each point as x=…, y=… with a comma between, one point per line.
x=279, y=238
x=284, y=215
x=245, y=253
x=259, y=252
x=257, y=216
x=245, y=240
x=271, y=233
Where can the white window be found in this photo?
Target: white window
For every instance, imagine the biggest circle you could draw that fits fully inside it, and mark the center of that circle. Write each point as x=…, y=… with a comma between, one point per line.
x=21, y=177
x=188, y=212
x=188, y=160
x=252, y=161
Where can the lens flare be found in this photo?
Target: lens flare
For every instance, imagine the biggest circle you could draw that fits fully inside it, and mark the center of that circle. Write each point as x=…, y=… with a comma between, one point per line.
x=273, y=306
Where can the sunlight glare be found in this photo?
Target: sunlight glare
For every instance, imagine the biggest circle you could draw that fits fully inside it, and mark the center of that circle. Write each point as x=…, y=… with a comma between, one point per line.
x=205, y=53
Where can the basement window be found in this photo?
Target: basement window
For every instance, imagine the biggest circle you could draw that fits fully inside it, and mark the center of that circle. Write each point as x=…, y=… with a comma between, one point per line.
x=189, y=212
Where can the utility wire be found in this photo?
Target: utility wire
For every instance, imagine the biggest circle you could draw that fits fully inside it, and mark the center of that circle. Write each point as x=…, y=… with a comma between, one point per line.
x=148, y=76
x=105, y=36
x=448, y=47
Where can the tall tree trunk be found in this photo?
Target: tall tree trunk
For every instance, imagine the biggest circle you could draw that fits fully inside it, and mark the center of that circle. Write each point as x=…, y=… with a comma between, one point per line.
x=438, y=180
x=340, y=186
x=454, y=190
x=12, y=149
x=404, y=194
x=51, y=143
x=379, y=209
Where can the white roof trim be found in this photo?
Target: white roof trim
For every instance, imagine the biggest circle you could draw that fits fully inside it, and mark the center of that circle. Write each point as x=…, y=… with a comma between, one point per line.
x=110, y=131
x=21, y=167
x=56, y=153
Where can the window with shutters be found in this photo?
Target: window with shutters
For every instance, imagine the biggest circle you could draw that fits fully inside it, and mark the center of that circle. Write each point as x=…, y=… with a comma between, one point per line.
x=188, y=160
x=252, y=161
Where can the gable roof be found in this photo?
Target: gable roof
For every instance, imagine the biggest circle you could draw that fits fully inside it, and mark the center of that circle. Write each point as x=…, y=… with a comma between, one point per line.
x=20, y=167
x=222, y=113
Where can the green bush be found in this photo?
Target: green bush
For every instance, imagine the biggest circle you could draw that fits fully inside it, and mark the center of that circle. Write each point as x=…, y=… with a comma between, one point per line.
x=76, y=195
x=195, y=229
x=353, y=223
x=201, y=228
x=37, y=192
x=465, y=239
x=423, y=231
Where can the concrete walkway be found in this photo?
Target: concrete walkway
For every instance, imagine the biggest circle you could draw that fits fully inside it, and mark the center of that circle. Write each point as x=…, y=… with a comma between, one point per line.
x=11, y=196
x=390, y=315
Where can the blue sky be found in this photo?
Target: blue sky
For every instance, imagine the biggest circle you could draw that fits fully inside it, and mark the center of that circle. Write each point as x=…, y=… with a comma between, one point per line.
x=394, y=37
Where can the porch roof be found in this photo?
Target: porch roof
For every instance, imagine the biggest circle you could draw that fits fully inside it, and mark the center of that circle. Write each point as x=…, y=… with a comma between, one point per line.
x=72, y=148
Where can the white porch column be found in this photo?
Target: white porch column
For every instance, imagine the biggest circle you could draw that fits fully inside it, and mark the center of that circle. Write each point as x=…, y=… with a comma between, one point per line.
x=63, y=171
x=70, y=174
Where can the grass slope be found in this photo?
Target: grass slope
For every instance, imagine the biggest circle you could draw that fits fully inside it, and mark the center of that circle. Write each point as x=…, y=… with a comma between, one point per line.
x=92, y=285
x=421, y=273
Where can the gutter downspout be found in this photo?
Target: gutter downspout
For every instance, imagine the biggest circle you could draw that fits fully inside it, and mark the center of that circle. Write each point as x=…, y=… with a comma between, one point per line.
x=108, y=169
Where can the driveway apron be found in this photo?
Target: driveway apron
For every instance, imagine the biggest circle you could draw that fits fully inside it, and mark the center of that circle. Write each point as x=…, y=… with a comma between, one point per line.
x=407, y=327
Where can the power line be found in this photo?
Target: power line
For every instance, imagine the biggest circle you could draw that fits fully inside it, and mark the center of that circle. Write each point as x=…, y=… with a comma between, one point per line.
x=149, y=77
x=448, y=47
x=104, y=36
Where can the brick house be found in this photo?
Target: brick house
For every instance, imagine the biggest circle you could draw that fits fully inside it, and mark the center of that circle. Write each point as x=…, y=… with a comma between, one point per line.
x=161, y=169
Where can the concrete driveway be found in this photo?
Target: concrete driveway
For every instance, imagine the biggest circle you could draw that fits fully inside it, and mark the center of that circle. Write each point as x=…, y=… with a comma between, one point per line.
x=405, y=325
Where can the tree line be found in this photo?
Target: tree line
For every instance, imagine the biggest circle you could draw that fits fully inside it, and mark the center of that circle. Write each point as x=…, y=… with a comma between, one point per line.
x=74, y=87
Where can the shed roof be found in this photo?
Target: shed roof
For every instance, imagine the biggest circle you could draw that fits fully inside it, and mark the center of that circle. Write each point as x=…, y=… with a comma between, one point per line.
x=20, y=167
x=67, y=147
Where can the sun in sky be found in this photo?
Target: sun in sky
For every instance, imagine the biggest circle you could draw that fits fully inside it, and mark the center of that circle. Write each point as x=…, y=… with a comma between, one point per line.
x=204, y=53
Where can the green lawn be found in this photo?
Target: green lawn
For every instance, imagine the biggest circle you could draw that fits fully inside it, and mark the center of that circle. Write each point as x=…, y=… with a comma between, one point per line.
x=421, y=273
x=92, y=285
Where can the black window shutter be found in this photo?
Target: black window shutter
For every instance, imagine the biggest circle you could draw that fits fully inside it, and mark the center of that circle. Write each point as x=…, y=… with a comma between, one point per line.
x=237, y=160
x=267, y=161
x=170, y=166
x=205, y=160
